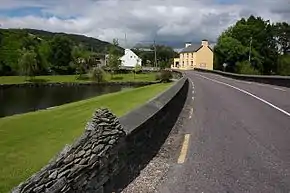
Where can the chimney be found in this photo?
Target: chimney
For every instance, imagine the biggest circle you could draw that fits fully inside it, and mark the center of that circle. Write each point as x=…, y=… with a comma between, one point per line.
x=187, y=44
x=204, y=43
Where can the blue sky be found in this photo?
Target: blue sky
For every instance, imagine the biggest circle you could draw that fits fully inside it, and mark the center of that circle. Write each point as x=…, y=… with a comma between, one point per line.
x=20, y=12
x=167, y=20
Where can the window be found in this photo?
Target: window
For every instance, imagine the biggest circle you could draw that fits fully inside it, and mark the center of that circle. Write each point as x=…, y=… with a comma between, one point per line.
x=191, y=63
x=131, y=56
x=182, y=64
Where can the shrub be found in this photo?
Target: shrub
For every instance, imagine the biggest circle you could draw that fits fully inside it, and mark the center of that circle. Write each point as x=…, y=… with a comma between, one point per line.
x=246, y=68
x=97, y=74
x=165, y=75
x=158, y=76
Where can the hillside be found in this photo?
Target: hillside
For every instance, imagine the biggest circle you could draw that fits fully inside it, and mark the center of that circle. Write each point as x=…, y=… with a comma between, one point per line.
x=12, y=41
x=96, y=45
x=90, y=43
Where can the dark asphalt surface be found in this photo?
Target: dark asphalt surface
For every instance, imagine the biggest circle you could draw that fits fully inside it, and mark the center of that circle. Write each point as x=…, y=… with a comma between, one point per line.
x=237, y=143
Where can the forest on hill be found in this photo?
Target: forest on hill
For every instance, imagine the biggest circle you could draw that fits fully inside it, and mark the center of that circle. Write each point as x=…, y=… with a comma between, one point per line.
x=53, y=52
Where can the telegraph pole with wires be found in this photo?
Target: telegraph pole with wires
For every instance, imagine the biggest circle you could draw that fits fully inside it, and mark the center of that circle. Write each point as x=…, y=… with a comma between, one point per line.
x=155, y=55
x=251, y=39
x=125, y=40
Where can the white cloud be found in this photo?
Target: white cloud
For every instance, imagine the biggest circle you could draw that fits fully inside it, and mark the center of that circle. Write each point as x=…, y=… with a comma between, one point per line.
x=167, y=20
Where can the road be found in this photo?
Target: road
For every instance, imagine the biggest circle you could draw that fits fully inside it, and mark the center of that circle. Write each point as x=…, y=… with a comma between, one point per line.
x=238, y=138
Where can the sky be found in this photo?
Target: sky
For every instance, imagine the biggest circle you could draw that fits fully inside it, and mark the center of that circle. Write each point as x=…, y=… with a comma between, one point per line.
x=170, y=22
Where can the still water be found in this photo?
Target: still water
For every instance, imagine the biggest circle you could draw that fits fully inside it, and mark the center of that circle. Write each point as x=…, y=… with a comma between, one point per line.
x=21, y=100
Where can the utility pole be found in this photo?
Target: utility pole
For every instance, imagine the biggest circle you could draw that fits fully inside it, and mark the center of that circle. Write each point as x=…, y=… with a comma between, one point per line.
x=251, y=39
x=155, y=56
x=125, y=40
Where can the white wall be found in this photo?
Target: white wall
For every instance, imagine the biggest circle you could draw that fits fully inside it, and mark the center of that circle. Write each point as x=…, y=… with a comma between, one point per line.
x=130, y=59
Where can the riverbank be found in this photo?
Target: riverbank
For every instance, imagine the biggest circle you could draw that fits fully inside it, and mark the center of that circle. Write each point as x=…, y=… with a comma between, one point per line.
x=28, y=141
x=147, y=77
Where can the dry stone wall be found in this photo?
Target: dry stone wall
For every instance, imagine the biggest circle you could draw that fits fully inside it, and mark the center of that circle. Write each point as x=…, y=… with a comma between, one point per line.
x=87, y=164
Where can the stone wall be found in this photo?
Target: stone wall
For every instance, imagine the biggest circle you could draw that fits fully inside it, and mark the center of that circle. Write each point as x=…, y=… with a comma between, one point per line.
x=87, y=164
x=112, y=151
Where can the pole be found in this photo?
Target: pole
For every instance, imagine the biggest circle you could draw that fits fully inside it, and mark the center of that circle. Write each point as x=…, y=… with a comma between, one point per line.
x=125, y=40
x=155, y=56
x=250, y=49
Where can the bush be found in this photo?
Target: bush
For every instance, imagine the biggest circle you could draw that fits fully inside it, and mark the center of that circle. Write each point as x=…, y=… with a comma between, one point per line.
x=97, y=75
x=165, y=75
x=246, y=68
x=158, y=76
x=284, y=65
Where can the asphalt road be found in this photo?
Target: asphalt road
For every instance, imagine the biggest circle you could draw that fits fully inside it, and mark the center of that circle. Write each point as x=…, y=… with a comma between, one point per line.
x=239, y=138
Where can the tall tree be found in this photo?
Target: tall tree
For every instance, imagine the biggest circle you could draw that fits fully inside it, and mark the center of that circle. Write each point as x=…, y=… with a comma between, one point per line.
x=28, y=63
x=282, y=32
x=257, y=36
x=60, y=55
x=114, y=62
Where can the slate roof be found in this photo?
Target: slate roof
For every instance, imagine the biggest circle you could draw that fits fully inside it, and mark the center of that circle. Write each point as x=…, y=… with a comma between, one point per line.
x=192, y=48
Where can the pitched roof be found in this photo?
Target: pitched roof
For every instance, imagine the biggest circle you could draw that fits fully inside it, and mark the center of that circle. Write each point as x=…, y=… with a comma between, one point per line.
x=192, y=48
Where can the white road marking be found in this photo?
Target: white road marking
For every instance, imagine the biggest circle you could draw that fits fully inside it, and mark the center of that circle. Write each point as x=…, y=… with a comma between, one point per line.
x=250, y=94
x=192, y=98
x=191, y=83
x=192, y=91
x=247, y=82
x=276, y=88
x=190, y=113
x=184, y=149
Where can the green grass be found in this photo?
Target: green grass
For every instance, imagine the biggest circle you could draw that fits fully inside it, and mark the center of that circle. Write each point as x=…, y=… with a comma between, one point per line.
x=72, y=78
x=28, y=141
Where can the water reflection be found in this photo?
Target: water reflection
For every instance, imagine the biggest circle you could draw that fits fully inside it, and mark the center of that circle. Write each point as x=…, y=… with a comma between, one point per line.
x=21, y=100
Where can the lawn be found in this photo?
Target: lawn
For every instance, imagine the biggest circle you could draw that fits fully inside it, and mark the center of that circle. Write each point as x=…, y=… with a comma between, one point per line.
x=72, y=78
x=28, y=141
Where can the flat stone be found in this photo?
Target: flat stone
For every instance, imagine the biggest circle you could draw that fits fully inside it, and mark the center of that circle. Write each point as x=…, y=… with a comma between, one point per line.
x=88, y=153
x=98, y=148
x=63, y=174
x=84, y=161
x=93, y=159
x=38, y=189
x=112, y=141
x=53, y=175
x=69, y=159
x=81, y=153
x=77, y=160
x=56, y=187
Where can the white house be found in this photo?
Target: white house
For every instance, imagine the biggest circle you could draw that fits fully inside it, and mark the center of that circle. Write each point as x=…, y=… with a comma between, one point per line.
x=130, y=59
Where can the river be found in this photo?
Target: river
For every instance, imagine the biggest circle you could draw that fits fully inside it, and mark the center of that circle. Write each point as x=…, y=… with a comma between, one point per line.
x=16, y=100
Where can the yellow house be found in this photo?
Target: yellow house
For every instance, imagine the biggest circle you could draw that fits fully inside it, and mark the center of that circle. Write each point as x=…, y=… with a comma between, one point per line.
x=194, y=56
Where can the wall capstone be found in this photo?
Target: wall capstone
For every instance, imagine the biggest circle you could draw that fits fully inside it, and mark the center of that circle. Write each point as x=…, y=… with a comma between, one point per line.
x=87, y=163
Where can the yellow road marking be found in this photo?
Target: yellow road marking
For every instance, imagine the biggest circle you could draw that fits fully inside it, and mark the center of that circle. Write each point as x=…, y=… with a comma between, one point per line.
x=184, y=149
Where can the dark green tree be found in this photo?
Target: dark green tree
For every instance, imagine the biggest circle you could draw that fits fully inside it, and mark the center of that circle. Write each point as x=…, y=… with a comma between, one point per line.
x=28, y=63
x=257, y=34
x=114, y=62
x=282, y=33
x=60, y=56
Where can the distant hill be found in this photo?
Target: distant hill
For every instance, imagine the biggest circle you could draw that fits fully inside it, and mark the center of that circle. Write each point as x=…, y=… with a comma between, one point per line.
x=12, y=41
x=89, y=43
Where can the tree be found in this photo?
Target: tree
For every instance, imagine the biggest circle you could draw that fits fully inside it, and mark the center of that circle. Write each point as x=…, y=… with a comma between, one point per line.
x=254, y=32
x=284, y=65
x=282, y=34
x=28, y=63
x=80, y=60
x=137, y=68
x=114, y=62
x=60, y=56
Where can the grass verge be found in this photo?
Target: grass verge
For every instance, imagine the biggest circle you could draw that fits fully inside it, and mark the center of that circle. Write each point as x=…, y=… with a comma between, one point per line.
x=28, y=141
x=73, y=78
